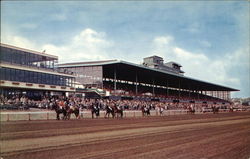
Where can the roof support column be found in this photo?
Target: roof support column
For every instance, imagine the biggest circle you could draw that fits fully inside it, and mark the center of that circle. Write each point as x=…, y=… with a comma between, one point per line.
x=206, y=95
x=153, y=87
x=179, y=93
x=115, y=79
x=189, y=91
x=198, y=94
x=136, y=87
x=167, y=89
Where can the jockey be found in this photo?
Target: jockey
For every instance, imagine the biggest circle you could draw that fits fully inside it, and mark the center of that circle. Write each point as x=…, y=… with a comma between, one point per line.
x=119, y=107
x=71, y=105
x=110, y=107
x=161, y=110
x=61, y=104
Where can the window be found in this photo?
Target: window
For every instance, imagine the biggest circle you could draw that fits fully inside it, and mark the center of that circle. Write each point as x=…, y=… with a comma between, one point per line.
x=2, y=74
x=12, y=75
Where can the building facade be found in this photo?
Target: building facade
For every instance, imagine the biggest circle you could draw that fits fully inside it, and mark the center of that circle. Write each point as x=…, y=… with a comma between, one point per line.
x=157, y=62
x=32, y=73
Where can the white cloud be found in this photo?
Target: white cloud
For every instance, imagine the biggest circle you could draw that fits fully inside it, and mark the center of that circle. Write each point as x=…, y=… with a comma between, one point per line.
x=18, y=41
x=87, y=45
x=163, y=40
x=198, y=65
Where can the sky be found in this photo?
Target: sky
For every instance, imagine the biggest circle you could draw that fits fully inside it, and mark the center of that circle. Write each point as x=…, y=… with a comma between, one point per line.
x=209, y=39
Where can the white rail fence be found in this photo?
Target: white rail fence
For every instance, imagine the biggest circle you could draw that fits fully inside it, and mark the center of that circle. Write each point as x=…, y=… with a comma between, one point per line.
x=49, y=115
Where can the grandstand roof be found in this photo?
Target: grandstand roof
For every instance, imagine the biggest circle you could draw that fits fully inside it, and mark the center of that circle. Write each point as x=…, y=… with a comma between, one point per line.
x=128, y=71
x=29, y=51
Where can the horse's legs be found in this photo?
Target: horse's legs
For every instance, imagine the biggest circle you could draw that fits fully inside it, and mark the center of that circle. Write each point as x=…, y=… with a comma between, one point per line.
x=77, y=115
x=57, y=116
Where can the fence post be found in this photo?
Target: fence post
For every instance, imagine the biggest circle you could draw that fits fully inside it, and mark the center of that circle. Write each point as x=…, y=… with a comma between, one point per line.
x=29, y=116
x=81, y=112
x=47, y=116
x=8, y=117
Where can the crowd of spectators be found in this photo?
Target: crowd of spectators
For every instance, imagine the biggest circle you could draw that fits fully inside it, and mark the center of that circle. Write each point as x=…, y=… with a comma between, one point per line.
x=17, y=102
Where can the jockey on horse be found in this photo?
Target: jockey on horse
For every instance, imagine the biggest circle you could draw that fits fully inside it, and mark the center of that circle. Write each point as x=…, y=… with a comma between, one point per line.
x=191, y=109
x=215, y=109
x=118, y=110
x=59, y=107
x=95, y=109
x=72, y=108
x=145, y=110
x=110, y=110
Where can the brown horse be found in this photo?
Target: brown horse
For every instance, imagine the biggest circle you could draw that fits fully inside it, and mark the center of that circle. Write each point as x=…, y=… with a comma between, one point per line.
x=145, y=111
x=73, y=109
x=231, y=109
x=118, y=111
x=190, y=110
x=109, y=110
x=215, y=109
x=59, y=110
x=95, y=111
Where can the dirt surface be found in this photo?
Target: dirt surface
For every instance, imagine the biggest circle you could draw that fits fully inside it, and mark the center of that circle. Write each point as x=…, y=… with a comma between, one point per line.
x=204, y=136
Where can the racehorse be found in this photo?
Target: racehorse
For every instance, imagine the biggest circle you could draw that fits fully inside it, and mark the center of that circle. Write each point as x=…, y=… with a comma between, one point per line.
x=72, y=109
x=231, y=109
x=145, y=110
x=118, y=111
x=161, y=109
x=191, y=110
x=59, y=110
x=95, y=110
x=215, y=110
x=109, y=110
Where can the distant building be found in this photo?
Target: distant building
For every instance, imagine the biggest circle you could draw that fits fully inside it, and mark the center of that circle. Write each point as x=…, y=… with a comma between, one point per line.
x=31, y=73
x=158, y=63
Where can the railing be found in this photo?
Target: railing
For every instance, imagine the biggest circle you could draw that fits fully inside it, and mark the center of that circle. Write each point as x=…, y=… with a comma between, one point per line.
x=52, y=70
x=49, y=115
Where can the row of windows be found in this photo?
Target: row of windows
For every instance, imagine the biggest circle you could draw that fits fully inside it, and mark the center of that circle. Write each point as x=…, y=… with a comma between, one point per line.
x=34, y=77
x=25, y=58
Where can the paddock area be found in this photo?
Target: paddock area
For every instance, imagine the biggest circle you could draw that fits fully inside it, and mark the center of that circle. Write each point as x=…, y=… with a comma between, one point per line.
x=199, y=136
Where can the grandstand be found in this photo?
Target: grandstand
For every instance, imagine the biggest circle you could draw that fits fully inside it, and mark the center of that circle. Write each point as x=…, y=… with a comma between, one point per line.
x=153, y=80
x=31, y=73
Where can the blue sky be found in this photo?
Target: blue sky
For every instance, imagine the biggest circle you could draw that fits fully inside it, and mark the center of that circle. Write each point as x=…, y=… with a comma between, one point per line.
x=209, y=39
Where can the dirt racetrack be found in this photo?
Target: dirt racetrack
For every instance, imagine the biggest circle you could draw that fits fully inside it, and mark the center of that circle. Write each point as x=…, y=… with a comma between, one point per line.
x=203, y=136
